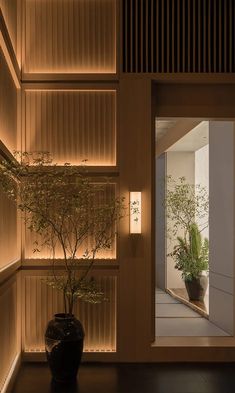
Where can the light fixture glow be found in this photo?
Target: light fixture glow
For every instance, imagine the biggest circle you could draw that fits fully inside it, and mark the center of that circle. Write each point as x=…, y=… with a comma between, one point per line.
x=135, y=212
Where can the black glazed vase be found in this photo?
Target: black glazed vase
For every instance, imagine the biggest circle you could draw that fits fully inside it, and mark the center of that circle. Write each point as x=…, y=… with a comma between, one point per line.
x=64, y=346
x=196, y=288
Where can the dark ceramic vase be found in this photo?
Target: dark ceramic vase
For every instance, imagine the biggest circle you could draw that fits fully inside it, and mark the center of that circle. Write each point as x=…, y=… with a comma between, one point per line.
x=64, y=345
x=196, y=288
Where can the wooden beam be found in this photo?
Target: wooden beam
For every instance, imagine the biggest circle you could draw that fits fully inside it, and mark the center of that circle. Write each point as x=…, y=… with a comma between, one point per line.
x=174, y=134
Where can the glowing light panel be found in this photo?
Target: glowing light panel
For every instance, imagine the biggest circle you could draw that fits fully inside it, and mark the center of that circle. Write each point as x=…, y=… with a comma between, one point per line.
x=135, y=212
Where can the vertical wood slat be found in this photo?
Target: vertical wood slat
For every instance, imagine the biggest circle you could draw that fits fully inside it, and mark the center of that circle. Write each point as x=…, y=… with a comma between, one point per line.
x=151, y=35
x=225, y=36
x=66, y=124
x=214, y=40
x=157, y=32
x=204, y=37
x=147, y=38
x=189, y=34
x=131, y=36
x=136, y=39
x=194, y=37
x=203, y=40
x=178, y=23
x=183, y=38
x=209, y=37
x=199, y=36
x=125, y=7
x=141, y=38
x=99, y=320
x=8, y=328
x=57, y=43
x=173, y=37
x=220, y=36
x=162, y=37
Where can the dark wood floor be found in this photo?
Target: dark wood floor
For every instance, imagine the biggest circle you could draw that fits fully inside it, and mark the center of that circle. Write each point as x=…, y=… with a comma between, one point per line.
x=132, y=378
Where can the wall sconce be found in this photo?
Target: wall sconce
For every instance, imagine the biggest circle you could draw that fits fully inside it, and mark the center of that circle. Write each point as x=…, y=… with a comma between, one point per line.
x=135, y=212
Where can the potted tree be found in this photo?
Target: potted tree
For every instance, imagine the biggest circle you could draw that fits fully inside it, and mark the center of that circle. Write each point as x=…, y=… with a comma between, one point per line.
x=187, y=208
x=72, y=216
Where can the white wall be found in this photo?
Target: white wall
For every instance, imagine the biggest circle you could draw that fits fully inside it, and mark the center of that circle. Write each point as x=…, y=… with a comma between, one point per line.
x=178, y=164
x=202, y=177
x=221, y=136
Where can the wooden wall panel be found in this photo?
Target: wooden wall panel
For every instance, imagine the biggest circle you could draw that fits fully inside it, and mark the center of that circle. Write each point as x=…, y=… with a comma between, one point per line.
x=73, y=125
x=9, y=11
x=8, y=106
x=8, y=328
x=46, y=253
x=164, y=36
x=41, y=302
x=8, y=230
x=72, y=36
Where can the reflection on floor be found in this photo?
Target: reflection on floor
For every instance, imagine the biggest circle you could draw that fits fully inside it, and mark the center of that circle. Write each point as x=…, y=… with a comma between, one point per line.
x=132, y=378
x=176, y=319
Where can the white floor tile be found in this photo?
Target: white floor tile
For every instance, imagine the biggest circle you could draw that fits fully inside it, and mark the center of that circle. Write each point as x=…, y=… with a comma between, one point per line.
x=174, y=311
x=198, y=327
x=165, y=298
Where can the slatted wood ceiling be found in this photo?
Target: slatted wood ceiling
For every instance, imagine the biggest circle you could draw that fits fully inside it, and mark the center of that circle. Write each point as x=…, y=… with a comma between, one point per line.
x=178, y=36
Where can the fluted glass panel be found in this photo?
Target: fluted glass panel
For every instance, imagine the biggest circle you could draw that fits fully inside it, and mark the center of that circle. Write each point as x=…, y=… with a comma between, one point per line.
x=42, y=302
x=72, y=36
x=73, y=125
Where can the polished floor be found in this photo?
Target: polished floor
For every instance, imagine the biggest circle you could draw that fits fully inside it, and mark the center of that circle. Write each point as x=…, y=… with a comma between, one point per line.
x=132, y=378
x=174, y=319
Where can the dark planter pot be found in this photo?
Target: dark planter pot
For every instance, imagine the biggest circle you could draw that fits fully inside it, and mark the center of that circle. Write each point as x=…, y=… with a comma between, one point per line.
x=64, y=345
x=196, y=288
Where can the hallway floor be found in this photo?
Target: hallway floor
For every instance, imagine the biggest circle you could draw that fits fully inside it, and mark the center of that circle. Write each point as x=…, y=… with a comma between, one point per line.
x=132, y=378
x=175, y=319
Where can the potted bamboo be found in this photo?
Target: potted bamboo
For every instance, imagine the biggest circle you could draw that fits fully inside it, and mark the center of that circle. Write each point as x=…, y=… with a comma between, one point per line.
x=191, y=258
x=187, y=209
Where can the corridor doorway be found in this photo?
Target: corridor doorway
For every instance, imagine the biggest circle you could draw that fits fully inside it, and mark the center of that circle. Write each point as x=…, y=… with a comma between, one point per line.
x=196, y=156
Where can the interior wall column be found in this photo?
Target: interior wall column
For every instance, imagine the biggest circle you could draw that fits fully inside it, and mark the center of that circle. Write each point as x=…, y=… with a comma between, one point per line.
x=136, y=163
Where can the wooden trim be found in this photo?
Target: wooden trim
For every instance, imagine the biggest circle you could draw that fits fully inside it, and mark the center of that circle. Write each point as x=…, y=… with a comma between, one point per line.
x=69, y=85
x=5, y=153
x=7, y=271
x=8, y=51
x=70, y=77
x=86, y=357
x=45, y=264
x=184, y=77
x=13, y=372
